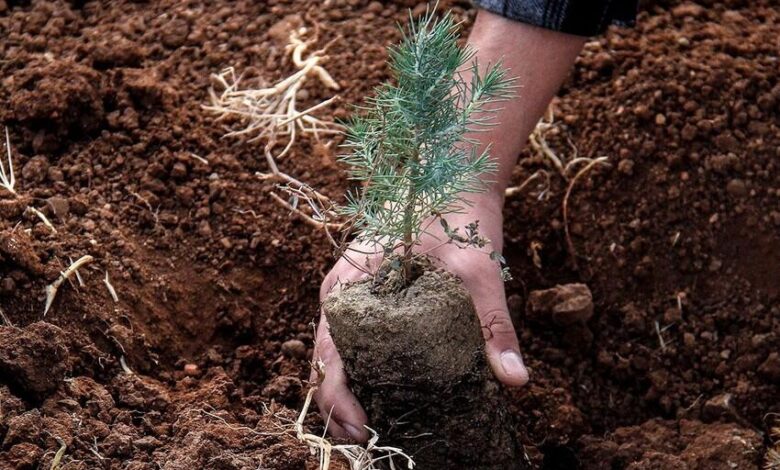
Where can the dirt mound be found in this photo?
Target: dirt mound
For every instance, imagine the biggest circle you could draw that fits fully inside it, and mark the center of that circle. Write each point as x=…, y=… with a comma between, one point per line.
x=687, y=445
x=677, y=242
x=55, y=102
x=33, y=359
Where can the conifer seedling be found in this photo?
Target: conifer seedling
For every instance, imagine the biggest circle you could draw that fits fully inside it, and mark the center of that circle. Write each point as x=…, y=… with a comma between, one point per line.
x=410, y=340
x=412, y=145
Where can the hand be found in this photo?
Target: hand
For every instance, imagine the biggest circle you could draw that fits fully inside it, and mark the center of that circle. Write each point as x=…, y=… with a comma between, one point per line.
x=480, y=275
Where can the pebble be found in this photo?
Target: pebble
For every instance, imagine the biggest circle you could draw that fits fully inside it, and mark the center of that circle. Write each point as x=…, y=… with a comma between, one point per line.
x=717, y=407
x=689, y=339
x=191, y=369
x=7, y=285
x=294, y=348
x=737, y=187
x=566, y=304
x=60, y=206
x=626, y=167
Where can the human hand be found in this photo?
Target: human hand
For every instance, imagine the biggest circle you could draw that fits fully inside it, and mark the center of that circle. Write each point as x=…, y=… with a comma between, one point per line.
x=480, y=275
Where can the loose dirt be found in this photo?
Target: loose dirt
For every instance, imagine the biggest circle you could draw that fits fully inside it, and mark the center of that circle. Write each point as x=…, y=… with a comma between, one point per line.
x=678, y=241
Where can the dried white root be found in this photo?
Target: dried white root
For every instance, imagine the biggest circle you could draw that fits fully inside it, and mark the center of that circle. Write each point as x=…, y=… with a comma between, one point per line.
x=7, y=178
x=125, y=368
x=56, y=463
x=359, y=457
x=563, y=165
x=43, y=218
x=78, y=276
x=51, y=290
x=592, y=163
x=110, y=288
x=271, y=114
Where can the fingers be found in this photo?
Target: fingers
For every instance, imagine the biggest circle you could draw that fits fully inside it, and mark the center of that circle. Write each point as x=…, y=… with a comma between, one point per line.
x=501, y=345
x=338, y=405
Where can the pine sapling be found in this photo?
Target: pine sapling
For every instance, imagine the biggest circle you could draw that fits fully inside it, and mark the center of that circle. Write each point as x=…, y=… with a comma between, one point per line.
x=410, y=147
x=411, y=344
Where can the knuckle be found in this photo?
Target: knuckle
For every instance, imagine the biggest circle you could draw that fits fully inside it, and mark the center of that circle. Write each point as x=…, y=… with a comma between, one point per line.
x=497, y=324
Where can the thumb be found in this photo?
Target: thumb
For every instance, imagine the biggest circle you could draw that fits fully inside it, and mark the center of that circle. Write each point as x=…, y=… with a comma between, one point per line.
x=502, y=348
x=501, y=345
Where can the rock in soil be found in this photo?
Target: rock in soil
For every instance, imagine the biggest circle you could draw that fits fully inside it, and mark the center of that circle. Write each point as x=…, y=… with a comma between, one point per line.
x=565, y=304
x=415, y=359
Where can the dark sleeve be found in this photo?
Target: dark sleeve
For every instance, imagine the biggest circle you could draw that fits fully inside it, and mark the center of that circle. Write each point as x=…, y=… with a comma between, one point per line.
x=580, y=17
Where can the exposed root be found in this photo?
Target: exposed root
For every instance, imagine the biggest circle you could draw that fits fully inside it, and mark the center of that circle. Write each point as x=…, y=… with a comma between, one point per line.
x=593, y=163
x=51, y=290
x=78, y=276
x=545, y=185
x=7, y=178
x=5, y=319
x=539, y=143
x=271, y=114
x=564, y=165
x=316, y=221
x=110, y=288
x=57, y=460
x=123, y=363
x=43, y=218
x=359, y=457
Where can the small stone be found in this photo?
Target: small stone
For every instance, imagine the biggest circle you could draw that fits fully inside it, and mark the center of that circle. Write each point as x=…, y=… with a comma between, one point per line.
x=737, y=187
x=642, y=111
x=660, y=119
x=626, y=167
x=374, y=7
x=634, y=318
x=294, y=348
x=717, y=407
x=565, y=304
x=191, y=369
x=89, y=225
x=689, y=340
x=60, y=206
x=715, y=265
x=147, y=443
x=179, y=170
x=7, y=285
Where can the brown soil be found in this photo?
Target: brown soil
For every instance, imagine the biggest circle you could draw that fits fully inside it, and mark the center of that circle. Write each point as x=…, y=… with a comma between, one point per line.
x=102, y=101
x=415, y=359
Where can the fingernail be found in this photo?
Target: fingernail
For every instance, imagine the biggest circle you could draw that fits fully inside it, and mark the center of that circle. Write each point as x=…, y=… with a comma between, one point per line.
x=353, y=432
x=512, y=364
